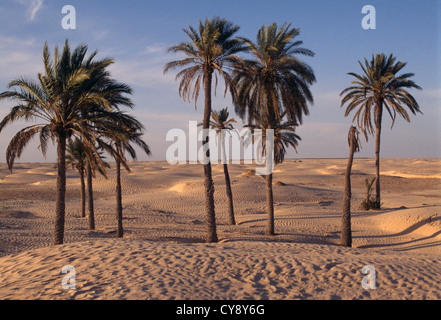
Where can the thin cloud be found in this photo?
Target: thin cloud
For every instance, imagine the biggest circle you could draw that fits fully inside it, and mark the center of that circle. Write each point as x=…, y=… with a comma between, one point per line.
x=145, y=69
x=33, y=7
x=20, y=57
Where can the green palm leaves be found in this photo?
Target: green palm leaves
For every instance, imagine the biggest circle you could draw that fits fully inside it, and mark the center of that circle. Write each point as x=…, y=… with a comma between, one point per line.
x=271, y=86
x=75, y=97
x=275, y=81
x=380, y=87
x=211, y=50
x=222, y=123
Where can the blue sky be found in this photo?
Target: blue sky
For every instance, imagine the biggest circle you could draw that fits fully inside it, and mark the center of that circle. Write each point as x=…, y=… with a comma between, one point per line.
x=137, y=34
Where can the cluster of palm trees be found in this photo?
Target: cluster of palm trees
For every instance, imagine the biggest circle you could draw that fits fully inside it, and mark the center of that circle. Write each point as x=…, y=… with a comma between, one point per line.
x=77, y=105
x=270, y=89
x=379, y=87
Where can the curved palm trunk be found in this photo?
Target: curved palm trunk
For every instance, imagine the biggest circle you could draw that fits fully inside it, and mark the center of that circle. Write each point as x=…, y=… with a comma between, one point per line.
x=231, y=219
x=119, y=209
x=83, y=194
x=270, y=204
x=377, y=153
x=90, y=198
x=208, y=180
x=346, y=231
x=60, y=206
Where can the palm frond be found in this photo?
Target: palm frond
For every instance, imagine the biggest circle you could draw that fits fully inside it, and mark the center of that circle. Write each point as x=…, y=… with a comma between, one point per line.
x=380, y=87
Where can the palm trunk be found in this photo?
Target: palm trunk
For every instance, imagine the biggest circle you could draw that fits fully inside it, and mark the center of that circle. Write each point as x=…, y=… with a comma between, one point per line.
x=60, y=210
x=208, y=180
x=377, y=153
x=270, y=204
x=346, y=232
x=83, y=194
x=269, y=177
x=90, y=202
x=231, y=219
x=119, y=209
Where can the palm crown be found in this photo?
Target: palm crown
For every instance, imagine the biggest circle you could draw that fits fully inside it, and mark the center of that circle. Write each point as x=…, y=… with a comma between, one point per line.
x=275, y=81
x=220, y=120
x=211, y=49
x=284, y=136
x=380, y=86
x=73, y=97
x=68, y=99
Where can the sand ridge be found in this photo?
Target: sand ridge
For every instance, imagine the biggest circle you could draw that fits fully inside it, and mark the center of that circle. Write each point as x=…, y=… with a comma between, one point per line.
x=162, y=255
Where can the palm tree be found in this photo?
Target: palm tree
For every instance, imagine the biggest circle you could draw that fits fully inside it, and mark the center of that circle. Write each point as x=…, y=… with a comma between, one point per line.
x=94, y=162
x=120, y=135
x=115, y=95
x=210, y=51
x=80, y=158
x=65, y=103
x=221, y=123
x=284, y=137
x=378, y=88
x=76, y=157
x=354, y=146
x=53, y=100
x=274, y=83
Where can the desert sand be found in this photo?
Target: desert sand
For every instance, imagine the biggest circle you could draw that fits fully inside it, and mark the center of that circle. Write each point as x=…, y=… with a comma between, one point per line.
x=163, y=255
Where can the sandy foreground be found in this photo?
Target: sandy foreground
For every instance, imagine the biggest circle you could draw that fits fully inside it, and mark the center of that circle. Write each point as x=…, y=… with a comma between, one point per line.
x=162, y=255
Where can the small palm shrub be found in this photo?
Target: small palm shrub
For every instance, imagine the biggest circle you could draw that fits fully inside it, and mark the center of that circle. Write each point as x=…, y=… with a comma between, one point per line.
x=368, y=203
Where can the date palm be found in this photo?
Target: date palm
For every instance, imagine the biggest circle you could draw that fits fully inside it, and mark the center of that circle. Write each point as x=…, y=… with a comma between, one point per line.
x=76, y=157
x=79, y=158
x=221, y=122
x=275, y=81
x=210, y=52
x=380, y=88
x=115, y=95
x=274, y=84
x=63, y=104
x=354, y=146
x=117, y=137
x=284, y=136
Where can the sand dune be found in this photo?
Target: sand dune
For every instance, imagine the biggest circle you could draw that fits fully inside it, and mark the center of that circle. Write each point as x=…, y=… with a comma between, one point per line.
x=131, y=269
x=162, y=255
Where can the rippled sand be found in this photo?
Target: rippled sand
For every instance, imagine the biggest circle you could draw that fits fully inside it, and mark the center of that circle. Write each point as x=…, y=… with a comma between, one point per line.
x=162, y=255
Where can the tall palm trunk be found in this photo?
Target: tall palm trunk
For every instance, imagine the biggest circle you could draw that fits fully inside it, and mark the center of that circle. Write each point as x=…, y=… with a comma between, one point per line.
x=90, y=198
x=270, y=204
x=377, y=153
x=208, y=180
x=83, y=194
x=269, y=177
x=119, y=209
x=346, y=232
x=231, y=219
x=60, y=210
